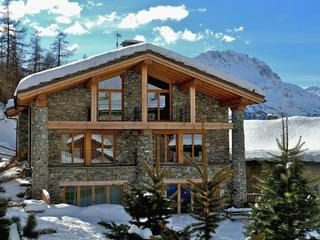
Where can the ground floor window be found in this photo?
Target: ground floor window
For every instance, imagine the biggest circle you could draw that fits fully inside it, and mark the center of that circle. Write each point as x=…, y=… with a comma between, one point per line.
x=181, y=195
x=84, y=196
x=72, y=148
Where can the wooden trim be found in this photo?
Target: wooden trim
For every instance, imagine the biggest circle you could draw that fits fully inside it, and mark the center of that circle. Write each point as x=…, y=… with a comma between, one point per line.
x=144, y=93
x=92, y=183
x=93, y=194
x=179, y=198
x=87, y=148
x=25, y=97
x=119, y=125
x=181, y=181
x=187, y=84
x=192, y=103
x=94, y=101
x=41, y=101
x=179, y=146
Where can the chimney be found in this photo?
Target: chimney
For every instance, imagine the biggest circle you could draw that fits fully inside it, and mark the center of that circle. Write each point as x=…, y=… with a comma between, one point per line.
x=129, y=42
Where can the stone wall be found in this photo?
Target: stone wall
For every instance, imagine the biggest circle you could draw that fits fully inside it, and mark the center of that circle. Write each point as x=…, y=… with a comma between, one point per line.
x=69, y=105
x=22, y=132
x=180, y=105
x=131, y=96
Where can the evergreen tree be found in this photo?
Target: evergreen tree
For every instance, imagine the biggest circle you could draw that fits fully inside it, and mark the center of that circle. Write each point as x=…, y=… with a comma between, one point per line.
x=12, y=48
x=48, y=61
x=61, y=49
x=30, y=229
x=36, y=57
x=288, y=208
x=207, y=202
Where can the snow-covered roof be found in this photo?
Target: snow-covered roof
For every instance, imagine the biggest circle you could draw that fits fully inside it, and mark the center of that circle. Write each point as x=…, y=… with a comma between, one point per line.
x=260, y=137
x=114, y=55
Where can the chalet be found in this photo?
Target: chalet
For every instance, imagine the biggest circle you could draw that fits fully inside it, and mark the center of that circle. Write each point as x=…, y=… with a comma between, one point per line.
x=89, y=125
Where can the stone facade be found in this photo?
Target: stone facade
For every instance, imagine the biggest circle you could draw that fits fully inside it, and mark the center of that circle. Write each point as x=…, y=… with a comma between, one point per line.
x=39, y=149
x=239, y=181
x=23, y=135
x=132, y=147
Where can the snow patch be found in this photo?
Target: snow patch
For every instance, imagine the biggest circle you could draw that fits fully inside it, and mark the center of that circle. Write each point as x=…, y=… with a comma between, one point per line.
x=33, y=205
x=13, y=232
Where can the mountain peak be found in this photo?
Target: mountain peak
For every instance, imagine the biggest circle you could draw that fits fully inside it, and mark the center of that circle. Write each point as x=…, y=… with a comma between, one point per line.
x=282, y=98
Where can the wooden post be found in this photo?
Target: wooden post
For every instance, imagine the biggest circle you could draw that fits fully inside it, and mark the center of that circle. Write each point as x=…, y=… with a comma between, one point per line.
x=93, y=101
x=179, y=146
x=179, y=198
x=192, y=96
x=144, y=92
x=87, y=149
x=204, y=151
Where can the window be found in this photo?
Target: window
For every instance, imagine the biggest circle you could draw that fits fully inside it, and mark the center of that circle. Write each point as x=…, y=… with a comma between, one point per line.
x=192, y=147
x=181, y=196
x=100, y=196
x=88, y=195
x=72, y=148
x=158, y=100
x=70, y=195
x=109, y=99
x=85, y=196
x=102, y=146
x=166, y=148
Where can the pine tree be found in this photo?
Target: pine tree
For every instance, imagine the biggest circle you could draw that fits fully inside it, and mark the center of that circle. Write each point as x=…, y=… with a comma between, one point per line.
x=30, y=229
x=61, y=49
x=207, y=202
x=12, y=48
x=288, y=208
x=36, y=57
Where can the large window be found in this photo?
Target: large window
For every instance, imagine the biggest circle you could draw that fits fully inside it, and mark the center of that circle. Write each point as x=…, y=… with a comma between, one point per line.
x=166, y=148
x=181, y=195
x=72, y=148
x=192, y=147
x=158, y=100
x=88, y=195
x=102, y=146
x=109, y=101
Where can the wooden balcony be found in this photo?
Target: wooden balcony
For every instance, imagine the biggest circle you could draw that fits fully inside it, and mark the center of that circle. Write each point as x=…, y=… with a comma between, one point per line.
x=136, y=125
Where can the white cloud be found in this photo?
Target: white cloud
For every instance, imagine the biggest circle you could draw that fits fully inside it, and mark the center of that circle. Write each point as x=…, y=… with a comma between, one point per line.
x=167, y=34
x=50, y=31
x=247, y=42
x=133, y=20
x=89, y=24
x=73, y=47
x=140, y=38
x=76, y=29
x=238, y=29
x=67, y=8
x=108, y=17
x=63, y=19
x=224, y=37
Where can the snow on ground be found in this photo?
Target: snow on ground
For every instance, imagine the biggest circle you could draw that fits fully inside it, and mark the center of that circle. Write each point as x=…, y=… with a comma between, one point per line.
x=260, y=137
x=7, y=134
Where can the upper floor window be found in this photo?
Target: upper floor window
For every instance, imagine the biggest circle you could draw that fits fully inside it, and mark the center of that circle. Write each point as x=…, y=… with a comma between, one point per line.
x=158, y=100
x=109, y=99
x=102, y=146
x=72, y=148
x=192, y=147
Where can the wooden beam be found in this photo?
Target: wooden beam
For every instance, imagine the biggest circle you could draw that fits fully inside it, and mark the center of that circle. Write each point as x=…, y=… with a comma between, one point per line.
x=144, y=93
x=93, y=101
x=87, y=148
x=82, y=125
x=179, y=146
x=187, y=84
x=235, y=103
x=192, y=103
x=41, y=101
x=92, y=183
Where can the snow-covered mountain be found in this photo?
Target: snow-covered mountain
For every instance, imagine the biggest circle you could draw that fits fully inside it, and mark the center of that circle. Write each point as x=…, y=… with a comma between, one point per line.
x=314, y=89
x=282, y=98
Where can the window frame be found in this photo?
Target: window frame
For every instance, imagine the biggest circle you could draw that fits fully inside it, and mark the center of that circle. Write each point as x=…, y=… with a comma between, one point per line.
x=158, y=94
x=102, y=134
x=73, y=155
x=109, y=92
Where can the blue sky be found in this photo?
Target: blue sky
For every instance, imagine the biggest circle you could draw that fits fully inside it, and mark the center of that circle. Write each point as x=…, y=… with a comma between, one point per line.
x=285, y=34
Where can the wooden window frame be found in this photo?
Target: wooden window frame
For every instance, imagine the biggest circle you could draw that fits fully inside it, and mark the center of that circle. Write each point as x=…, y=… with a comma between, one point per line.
x=71, y=135
x=109, y=92
x=87, y=145
x=192, y=143
x=102, y=134
x=158, y=93
x=107, y=191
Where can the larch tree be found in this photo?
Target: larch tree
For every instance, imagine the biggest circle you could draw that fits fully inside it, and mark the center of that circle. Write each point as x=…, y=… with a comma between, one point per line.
x=61, y=49
x=288, y=208
x=36, y=53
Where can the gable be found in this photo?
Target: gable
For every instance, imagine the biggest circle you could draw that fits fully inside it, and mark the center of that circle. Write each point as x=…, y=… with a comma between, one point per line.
x=162, y=64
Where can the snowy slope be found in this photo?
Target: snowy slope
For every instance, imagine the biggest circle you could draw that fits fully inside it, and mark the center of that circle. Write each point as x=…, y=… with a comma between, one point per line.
x=314, y=89
x=281, y=97
x=260, y=137
x=7, y=134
